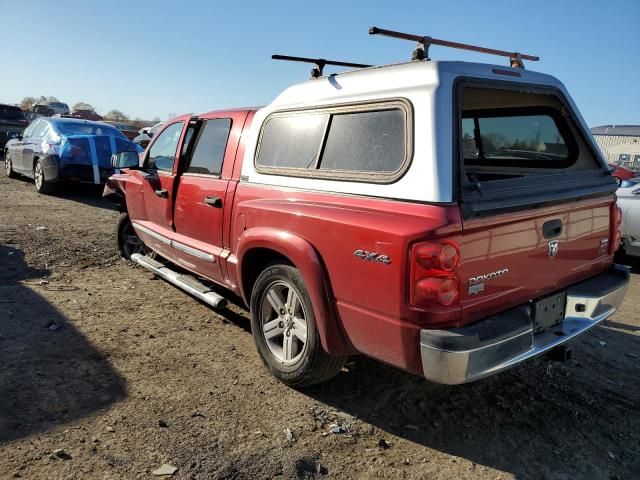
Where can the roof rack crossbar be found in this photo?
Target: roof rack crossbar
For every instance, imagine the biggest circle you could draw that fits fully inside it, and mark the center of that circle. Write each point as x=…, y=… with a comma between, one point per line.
x=423, y=43
x=318, y=63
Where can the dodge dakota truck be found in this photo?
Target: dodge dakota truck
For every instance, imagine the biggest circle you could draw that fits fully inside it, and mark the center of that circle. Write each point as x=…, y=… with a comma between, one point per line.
x=450, y=219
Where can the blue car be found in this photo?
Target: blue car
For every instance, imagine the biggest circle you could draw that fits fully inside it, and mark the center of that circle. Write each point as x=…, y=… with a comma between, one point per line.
x=51, y=150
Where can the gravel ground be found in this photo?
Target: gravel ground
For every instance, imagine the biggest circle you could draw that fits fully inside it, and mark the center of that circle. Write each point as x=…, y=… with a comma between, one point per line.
x=109, y=373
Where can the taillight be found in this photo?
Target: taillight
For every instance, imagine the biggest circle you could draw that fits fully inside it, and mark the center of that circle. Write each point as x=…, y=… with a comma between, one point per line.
x=617, y=234
x=439, y=256
x=433, y=279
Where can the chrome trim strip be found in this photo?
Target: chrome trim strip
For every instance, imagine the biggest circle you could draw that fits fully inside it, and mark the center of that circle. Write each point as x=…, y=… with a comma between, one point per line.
x=151, y=233
x=177, y=245
x=193, y=251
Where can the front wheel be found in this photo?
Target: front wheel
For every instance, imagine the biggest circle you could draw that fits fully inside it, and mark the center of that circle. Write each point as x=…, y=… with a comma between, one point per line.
x=127, y=239
x=8, y=167
x=42, y=185
x=284, y=329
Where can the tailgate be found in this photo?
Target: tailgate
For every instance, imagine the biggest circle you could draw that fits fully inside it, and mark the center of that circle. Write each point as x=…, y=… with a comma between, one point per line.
x=512, y=258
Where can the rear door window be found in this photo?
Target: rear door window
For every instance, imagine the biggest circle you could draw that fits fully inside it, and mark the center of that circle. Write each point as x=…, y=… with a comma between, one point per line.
x=40, y=130
x=211, y=143
x=163, y=151
x=29, y=130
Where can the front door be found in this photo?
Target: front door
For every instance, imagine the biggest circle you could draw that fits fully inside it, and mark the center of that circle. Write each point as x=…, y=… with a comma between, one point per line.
x=154, y=222
x=201, y=196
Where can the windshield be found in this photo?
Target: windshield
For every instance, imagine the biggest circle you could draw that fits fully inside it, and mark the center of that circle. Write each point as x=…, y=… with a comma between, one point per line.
x=11, y=113
x=79, y=128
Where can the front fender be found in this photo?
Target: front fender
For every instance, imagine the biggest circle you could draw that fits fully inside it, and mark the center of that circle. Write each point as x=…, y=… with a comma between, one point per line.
x=114, y=193
x=306, y=259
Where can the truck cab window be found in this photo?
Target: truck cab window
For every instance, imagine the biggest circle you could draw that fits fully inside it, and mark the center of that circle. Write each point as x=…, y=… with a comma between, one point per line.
x=163, y=151
x=210, y=146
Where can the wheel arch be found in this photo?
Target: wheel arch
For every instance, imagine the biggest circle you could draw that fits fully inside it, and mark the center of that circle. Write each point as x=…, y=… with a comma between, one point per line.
x=261, y=246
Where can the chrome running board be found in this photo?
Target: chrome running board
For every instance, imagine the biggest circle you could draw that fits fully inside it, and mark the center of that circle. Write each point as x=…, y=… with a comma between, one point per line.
x=184, y=282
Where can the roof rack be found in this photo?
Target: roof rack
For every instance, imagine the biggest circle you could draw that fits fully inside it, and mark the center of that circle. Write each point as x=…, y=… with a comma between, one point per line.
x=421, y=51
x=318, y=63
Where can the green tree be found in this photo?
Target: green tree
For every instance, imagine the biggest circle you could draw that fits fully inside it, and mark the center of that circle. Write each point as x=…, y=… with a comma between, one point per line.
x=82, y=106
x=116, y=116
x=27, y=103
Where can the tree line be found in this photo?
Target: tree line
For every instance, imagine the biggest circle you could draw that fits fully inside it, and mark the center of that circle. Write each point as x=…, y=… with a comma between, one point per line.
x=28, y=103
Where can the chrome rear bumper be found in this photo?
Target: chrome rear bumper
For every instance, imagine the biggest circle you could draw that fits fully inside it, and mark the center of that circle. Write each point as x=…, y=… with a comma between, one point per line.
x=502, y=341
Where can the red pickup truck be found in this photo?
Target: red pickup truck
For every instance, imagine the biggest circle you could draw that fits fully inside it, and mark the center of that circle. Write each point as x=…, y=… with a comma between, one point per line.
x=451, y=219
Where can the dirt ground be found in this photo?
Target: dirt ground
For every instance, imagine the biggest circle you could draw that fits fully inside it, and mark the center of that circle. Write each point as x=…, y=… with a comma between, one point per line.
x=124, y=373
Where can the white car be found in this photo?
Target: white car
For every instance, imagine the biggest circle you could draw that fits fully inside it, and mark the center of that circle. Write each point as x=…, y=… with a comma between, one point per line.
x=629, y=202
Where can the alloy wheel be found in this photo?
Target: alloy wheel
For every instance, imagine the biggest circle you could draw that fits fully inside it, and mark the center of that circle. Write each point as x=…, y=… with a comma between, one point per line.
x=7, y=165
x=130, y=242
x=284, y=324
x=38, y=176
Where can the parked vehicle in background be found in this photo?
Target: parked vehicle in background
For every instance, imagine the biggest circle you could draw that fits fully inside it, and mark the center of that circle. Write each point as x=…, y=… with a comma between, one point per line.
x=42, y=111
x=622, y=173
x=129, y=131
x=12, y=122
x=56, y=148
x=86, y=115
x=629, y=202
x=146, y=134
x=51, y=106
x=451, y=219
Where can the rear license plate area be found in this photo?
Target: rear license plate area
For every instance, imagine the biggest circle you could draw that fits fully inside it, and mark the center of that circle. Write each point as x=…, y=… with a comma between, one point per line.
x=548, y=311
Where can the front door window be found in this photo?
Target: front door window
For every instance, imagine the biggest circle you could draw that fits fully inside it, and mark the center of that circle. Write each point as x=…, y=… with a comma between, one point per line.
x=163, y=151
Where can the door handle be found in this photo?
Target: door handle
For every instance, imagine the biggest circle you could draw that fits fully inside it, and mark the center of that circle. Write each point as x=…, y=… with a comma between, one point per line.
x=552, y=228
x=213, y=201
x=162, y=193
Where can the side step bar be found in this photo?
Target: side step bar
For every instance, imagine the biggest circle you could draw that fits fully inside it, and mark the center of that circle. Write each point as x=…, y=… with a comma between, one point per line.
x=186, y=283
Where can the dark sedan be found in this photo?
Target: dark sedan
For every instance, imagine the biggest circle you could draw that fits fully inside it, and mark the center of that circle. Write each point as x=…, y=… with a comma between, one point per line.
x=12, y=122
x=55, y=149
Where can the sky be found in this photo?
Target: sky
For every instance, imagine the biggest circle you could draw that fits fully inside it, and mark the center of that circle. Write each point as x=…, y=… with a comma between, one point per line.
x=155, y=58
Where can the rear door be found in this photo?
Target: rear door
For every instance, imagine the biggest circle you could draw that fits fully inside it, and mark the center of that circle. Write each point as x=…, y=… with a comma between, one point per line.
x=202, y=194
x=153, y=220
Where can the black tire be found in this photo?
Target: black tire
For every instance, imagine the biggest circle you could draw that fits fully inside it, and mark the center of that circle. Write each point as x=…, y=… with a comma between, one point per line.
x=8, y=166
x=127, y=241
x=42, y=185
x=311, y=364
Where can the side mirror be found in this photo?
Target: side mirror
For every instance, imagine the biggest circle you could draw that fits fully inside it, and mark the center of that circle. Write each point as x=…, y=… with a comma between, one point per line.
x=125, y=160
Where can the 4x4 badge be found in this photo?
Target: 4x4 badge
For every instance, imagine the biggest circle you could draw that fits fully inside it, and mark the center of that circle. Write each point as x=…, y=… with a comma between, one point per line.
x=372, y=257
x=553, y=248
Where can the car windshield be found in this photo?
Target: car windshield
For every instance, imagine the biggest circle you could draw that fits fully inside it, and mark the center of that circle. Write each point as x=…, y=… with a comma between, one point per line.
x=80, y=128
x=11, y=113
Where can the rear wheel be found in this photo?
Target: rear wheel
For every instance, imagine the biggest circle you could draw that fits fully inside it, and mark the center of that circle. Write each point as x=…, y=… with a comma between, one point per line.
x=8, y=166
x=284, y=329
x=127, y=239
x=42, y=185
